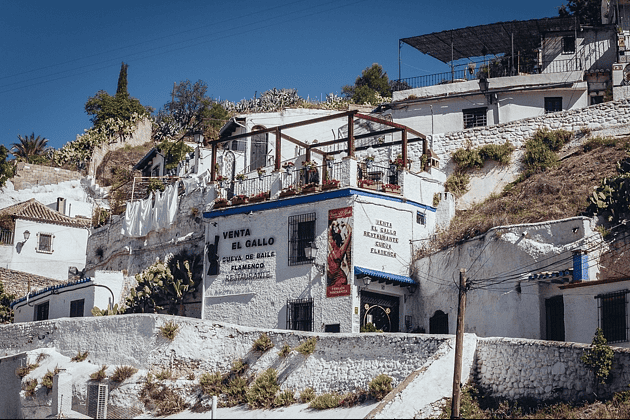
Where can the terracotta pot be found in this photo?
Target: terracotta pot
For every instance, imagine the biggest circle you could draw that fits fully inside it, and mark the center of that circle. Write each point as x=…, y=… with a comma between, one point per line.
x=329, y=187
x=288, y=193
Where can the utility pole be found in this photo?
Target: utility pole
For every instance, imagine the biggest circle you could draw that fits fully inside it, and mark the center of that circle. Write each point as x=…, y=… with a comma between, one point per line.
x=459, y=344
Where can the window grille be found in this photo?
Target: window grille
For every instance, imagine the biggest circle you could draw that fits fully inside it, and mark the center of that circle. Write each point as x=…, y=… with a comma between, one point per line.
x=6, y=237
x=301, y=234
x=41, y=311
x=44, y=242
x=97, y=396
x=300, y=314
x=421, y=218
x=475, y=117
x=76, y=308
x=553, y=104
x=613, y=316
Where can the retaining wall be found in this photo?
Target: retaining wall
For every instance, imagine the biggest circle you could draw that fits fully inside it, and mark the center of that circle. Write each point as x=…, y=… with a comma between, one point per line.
x=28, y=175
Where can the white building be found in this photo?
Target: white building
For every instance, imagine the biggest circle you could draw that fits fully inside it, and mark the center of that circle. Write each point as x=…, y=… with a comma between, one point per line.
x=71, y=299
x=330, y=247
x=43, y=241
x=506, y=71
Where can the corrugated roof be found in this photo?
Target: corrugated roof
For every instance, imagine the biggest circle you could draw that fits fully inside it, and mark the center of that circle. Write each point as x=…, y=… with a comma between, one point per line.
x=491, y=39
x=34, y=210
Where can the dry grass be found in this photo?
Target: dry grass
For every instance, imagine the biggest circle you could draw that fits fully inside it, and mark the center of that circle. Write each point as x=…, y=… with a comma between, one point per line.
x=556, y=193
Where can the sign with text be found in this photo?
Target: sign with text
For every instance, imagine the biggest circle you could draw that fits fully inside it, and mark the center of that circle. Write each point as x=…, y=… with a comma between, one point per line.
x=339, y=252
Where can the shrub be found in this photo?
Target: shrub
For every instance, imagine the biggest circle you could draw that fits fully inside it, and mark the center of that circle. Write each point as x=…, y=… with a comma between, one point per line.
x=47, y=380
x=285, y=351
x=263, y=343
x=239, y=367
x=236, y=391
x=123, y=372
x=263, y=391
x=351, y=399
x=164, y=398
x=326, y=401
x=29, y=387
x=25, y=370
x=475, y=158
x=540, y=149
x=467, y=158
x=284, y=399
x=369, y=327
x=380, y=386
x=100, y=374
x=164, y=375
x=307, y=395
x=307, y=347
x=169, y=330
x=211, y=383
x=457, y=183
x=598, y=359
x=595, y=142
x=79, y=357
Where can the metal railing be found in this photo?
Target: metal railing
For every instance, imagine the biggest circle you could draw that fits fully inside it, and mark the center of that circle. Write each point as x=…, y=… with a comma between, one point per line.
x=561, y=66
x=372, y=176
x=249, y=187
x=6, y=237
x=298, y=178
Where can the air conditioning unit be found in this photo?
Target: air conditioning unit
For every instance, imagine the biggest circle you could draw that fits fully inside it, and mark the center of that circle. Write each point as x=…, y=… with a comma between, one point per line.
x=97, y=401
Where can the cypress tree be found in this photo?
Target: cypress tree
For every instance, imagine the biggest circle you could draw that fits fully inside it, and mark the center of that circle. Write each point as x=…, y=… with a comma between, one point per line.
x=122, y=81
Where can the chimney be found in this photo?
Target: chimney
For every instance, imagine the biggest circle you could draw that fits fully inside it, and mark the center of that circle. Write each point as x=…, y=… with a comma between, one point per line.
x=61, y=205
x=580, y=265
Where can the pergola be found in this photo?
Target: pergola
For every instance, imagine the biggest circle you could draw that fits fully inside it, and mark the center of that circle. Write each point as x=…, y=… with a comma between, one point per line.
x=314, y=148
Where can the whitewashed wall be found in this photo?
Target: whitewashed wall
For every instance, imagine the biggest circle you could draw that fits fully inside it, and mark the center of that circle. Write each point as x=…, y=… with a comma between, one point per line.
x=69, y=249
x=501, y=309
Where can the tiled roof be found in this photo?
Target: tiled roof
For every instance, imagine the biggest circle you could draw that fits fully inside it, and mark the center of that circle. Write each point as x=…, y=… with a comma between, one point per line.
x=48, y=289
x=34, y=210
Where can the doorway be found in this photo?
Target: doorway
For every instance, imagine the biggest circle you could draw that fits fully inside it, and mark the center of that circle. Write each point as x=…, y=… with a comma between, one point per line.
x=381, y=310
x=554, y=308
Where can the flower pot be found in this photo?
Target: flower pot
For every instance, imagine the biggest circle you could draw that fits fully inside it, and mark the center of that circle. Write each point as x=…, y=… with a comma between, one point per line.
x=288, y=193
x=220, y=205
x=309, y=190
x=238, y=201
x=258, y=199
x=371, y=187
x=392, y=190
x=329, y=187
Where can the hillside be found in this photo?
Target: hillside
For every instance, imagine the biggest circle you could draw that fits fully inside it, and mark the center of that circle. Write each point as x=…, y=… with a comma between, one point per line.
x=556, y=193
x=123, y=158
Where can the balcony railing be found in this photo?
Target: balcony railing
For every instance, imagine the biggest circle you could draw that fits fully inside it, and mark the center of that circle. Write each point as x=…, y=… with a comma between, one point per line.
x=372, y=176
x=6, y=237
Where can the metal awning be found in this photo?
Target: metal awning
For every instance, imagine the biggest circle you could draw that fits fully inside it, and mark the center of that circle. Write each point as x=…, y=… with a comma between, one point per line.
x=492, y=39
x=383, y=277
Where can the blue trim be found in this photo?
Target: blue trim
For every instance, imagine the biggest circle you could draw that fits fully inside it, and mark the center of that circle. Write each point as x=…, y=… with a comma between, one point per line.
x=358, y=271
x=48, y=289
x=306, y=199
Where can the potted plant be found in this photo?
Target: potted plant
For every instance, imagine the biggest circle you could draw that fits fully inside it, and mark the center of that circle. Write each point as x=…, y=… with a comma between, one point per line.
x=261, y=172
x=220, y=202
x=223, y=181
x=309, y=165
x=288, y=191
x=329, y=161
x=391, y=188
x=330, y=184
x=369, y=161
x=289, y=166
x=259, y=197
x=239, y=199
x=368, y=184
x=310, y=188
x=240, y=178
x=398, y=163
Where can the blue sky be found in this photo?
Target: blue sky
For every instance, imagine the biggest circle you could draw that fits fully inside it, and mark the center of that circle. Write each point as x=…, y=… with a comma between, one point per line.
x=55, y=55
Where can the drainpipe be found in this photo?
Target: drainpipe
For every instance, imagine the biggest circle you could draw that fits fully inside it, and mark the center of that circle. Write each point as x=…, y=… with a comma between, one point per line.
x=580, y=265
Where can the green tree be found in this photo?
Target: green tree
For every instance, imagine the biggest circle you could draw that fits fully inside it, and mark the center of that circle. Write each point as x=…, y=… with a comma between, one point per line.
x=588, y=11
x=6, y=313
x=7, y=170
x=599, y=358
x=372, y=83
x=30, y=149
x=121, y=106
x=188, y=111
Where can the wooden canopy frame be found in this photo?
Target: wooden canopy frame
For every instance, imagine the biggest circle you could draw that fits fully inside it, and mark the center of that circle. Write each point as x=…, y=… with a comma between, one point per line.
x=310, y=148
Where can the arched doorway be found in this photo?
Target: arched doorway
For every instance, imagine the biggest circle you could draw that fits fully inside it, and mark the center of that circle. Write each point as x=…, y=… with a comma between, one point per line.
x=381, y=310
x=438, y=323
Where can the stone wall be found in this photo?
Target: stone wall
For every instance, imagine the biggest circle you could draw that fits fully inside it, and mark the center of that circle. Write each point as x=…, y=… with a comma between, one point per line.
x=16, y=282
x=28, y=175
x=141, y=136
x=545, y=370
x=340, y=362
x=10, y=385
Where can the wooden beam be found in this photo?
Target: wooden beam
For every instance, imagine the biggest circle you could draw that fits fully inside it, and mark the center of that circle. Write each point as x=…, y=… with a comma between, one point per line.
x=351, y=135
x=360, y=136
x=404, y=147
x=278, y=148
x=213, y=169
x=391, y=124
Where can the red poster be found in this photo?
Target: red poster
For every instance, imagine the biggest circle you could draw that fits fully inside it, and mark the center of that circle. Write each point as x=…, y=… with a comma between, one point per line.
x=339, y=252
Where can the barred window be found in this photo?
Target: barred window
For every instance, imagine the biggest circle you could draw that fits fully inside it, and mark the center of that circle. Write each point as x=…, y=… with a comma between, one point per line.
x=568, y=45
x=475, y=117
x=301, y=234
x=613, y=316
x=41, y=311
x=553, y=104
x=44, y=242
x=300, y=314
x=76, y=308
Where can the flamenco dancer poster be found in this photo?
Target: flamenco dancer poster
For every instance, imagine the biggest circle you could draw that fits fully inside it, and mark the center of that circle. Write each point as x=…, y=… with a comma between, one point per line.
x=339, y=252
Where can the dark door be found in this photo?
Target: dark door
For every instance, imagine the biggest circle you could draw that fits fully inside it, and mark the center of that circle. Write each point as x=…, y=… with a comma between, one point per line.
x=438, y=323
x=382, y=310
x=554, y=308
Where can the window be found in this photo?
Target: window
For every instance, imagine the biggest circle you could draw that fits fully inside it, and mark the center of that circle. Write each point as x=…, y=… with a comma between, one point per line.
x=597, y=100
x=41, y=311
x=612, y=316
x=568, y=45
x=44, y=242
x=300, y=314
x=332, y=328
x=421, y=218
x=475, y=117
x=553, y=105
x=76, y=308
x=301, y=234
